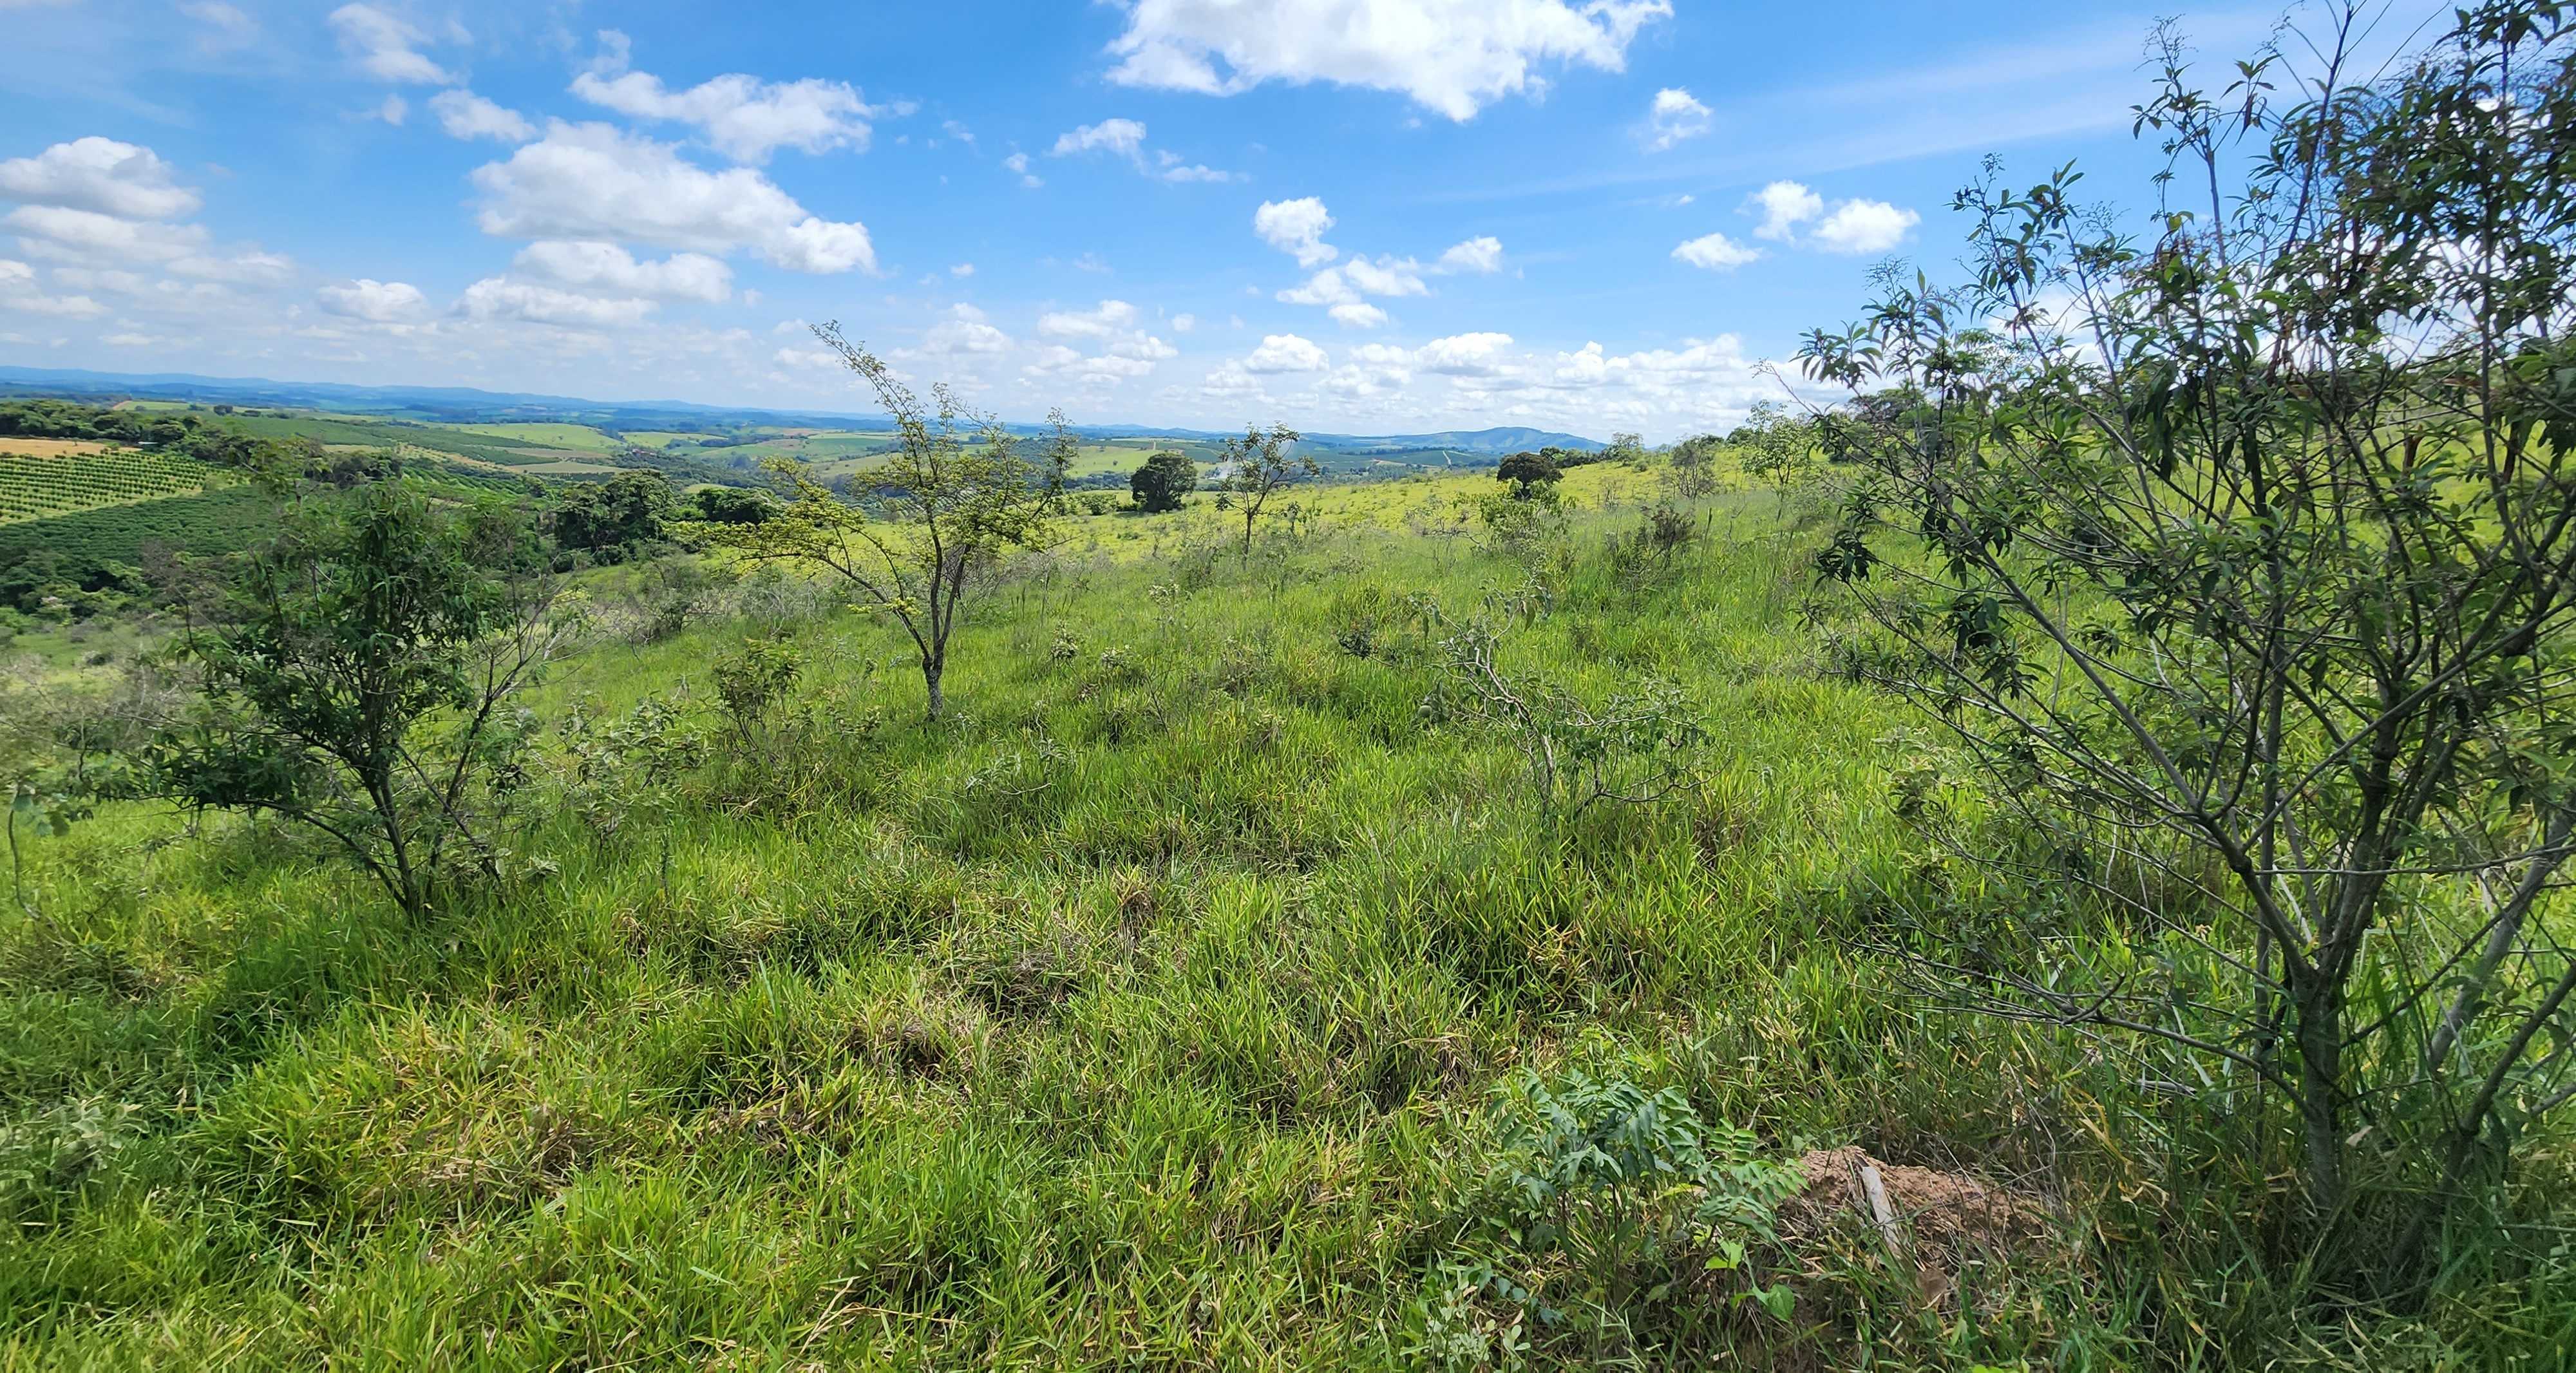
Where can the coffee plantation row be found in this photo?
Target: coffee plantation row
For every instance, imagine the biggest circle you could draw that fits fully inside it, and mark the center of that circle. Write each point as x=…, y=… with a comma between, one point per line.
x=35, y=487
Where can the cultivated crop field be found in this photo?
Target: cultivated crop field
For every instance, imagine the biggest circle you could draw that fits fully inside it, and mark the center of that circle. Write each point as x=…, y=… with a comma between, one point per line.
x=499, y=445
x=218, y=520
x=42, y=477
x=26, y=447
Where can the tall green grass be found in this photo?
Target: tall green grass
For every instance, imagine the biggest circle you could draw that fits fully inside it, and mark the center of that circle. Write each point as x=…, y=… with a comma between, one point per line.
x=1143, y=1015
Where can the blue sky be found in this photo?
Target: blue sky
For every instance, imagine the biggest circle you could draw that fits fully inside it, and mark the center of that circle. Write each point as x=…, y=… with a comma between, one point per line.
x=1347, y=215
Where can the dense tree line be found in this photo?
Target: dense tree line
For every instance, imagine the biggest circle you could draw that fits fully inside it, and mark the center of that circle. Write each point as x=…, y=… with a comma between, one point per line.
x=185, y=433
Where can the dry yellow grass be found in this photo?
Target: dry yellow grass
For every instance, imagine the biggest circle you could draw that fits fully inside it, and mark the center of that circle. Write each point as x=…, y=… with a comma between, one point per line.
x=52, y=448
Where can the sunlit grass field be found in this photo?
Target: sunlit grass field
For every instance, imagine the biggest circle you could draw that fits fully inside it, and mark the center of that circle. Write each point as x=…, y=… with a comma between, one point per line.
x=1144, y=1014
x=574, y=436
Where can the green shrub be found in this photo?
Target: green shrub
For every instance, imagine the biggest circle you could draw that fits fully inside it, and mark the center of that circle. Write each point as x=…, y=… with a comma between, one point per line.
x=1604, y=1201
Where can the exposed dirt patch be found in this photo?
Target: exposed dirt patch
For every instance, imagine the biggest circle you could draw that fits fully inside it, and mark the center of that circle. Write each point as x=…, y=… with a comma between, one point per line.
x=1929, y=1204
x=1943, y=1222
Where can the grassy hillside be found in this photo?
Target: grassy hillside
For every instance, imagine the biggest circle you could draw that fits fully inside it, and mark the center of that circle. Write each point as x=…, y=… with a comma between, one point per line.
x=572, y=436
x=1148, y=1013
x=732, y=451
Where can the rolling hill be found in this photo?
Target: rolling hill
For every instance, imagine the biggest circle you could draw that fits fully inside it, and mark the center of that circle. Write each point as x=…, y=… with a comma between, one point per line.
x=467, y=406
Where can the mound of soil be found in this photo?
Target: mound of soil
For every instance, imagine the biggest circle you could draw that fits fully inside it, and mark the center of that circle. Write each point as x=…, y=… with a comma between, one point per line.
x=1940, y=1221
x=1930, y=1205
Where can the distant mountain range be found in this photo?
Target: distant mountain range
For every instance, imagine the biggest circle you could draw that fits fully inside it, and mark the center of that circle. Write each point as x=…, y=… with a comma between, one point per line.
x=411, y=402
x=1496, y=442
x=466, y=405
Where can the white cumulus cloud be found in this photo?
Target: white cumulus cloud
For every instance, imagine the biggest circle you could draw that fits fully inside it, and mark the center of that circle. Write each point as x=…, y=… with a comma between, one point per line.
x=1864, y=226
x=1717, y=253
x=1373, y=370
x=1101, y=321
x=18, y=292
x=1144, y=347
x=378, y=302
x=497, y=298
x=1125, y=137
x=1285, y=353
x=101, y=175
x=1464, y=355
x=1854, y=226
x=1125, y=350
x=591, y=265
x=1785, y=205
x=743, y=117
x=592, y=181
x=68, y=235
x=1451, y=56
x=87, y=238
x=1326, y=287
x=1676, y=115
x=1478, y=255
x=1296, y=227
x=1387, y=276
x=965, y=330
x=467, y=115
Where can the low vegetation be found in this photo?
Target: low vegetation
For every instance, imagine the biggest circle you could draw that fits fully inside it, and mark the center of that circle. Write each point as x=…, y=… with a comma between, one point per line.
x=2055, y=861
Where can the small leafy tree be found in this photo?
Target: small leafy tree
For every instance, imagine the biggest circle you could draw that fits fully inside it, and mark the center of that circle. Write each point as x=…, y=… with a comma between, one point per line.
x=1634, y=748
x=732, y=505
x=2241, y=567
x=358, y=675
x=617, y=771
x=752, y=684
x=953, y=497
x=1776, y=447
x=1694, y=466
x=1162, y=483
x=1259, y=466
x=1527, y=472
x=1650, y=548
x=614, y=517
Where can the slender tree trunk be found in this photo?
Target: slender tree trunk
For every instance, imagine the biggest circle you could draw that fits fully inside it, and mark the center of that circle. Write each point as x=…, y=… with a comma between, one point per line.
x=933, y=667
x=2320, y=1039
x=413, y=885
x=17, y=866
